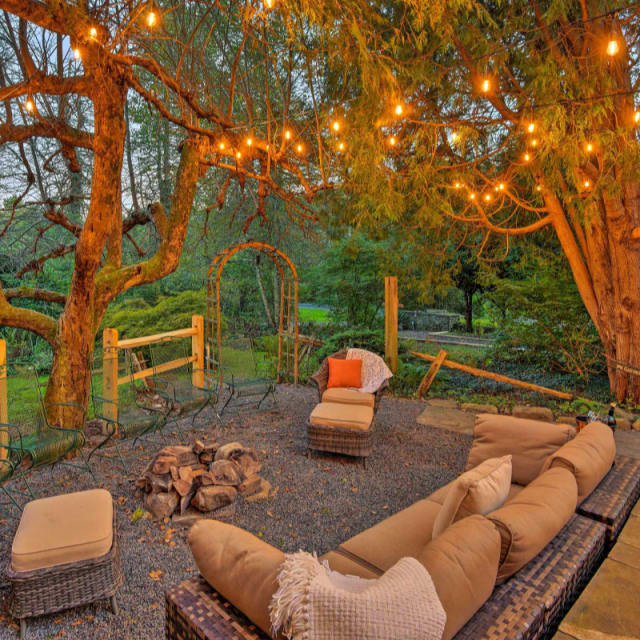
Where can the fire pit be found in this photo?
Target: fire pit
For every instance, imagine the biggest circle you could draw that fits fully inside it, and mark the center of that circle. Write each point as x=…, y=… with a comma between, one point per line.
x=205, y=477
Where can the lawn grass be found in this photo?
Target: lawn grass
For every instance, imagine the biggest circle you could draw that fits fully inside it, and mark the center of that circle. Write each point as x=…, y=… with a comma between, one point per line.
x=313, y=315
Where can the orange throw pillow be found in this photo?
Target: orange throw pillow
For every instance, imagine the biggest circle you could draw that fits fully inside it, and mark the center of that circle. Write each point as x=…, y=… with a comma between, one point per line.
x=344, y=373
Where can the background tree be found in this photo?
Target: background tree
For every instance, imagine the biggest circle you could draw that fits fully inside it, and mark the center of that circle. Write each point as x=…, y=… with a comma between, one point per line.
x=220, y=77
x=508, y=119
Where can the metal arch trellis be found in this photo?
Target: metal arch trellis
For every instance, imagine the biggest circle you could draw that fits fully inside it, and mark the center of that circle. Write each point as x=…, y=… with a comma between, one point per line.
x=288, y=322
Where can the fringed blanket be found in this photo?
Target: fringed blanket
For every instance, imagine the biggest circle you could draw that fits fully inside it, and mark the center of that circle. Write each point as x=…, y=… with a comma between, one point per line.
x=374, y=369
x=314, y=603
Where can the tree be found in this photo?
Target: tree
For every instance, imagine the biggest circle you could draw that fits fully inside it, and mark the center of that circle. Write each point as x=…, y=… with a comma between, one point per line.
x=466, y=276
x=506, y=118
x=213, y=73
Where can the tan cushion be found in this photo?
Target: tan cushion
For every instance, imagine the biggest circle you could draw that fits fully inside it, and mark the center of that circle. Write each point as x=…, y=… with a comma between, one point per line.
x=343, y=395
x=533, y=517
x=403, y=534
x=440, y=495
x=68, y=528
x=346, y=416
x=530, y=442
x=463, y=563
x=241, y=567
x=588, y=456
x=478, y=491
x=348, y=566
x=514, y=490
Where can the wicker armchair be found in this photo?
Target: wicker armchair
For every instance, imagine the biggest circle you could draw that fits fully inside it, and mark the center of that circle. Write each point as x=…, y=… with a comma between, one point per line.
x=321, y=378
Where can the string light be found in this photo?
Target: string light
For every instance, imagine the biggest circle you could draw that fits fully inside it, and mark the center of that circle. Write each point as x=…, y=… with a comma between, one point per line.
x=534, y=143
x=589, y=147
x=538, y=188
x=587, y=184
x=531, y=127
x=472, y=196
x=636, y=117
x=457, y=185
x=221, y=146
x=341, y=146
x=29, y=105
x=613, y=47
x=238, y=155
x=299, y=148
x=454, y=136
x=268, y=4
x=392, y=141
x=93, y=32
x=486, y=85
x=501, y=186
x=76, y=53
x=249, y=142
x=526, y=157
x=287, y=134
x=151, y=19
x=335, y=126
x=399, y=109
x=487, y=197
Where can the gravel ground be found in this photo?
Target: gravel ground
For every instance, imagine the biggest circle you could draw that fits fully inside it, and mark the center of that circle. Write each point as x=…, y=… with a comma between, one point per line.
x=409, y=461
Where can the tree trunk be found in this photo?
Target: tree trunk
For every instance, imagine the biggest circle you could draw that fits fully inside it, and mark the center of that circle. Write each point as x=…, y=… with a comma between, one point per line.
x=468, y=311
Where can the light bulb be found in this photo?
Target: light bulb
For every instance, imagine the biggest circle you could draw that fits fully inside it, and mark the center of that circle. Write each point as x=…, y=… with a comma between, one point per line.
x=613, y=47
x=472, y=196
x=531, y=127
x=268, y=4
x=392, y=141
x=341, y=146
x=457, y=185
x=93, y=32
x=151, y=19
x=399, y=109
x=526, y=157
x=501, y=186
x=487, y=197
x=221, y=146
x=299, y=148
x=636, y=117
x=589, y=147
x=587, y=184
x=76, y=53
x=249, y=142
x=538, y=188
x=486, y=85
x=287, y=134
x=29, y=105
x=238, y=155
x=454, y=136
x=335, y=126
x=534, y=143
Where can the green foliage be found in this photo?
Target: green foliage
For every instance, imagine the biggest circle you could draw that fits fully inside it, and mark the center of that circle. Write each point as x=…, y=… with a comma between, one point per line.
x=361, y=338
x=543, y=321
x=134, y=317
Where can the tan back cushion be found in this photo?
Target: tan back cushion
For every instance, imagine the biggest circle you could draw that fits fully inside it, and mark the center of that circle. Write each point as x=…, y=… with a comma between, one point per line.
x=530, y=520
x=478, y=491
x=241, y=567
x=463, y=563
x=588, y=456
x=530, y=442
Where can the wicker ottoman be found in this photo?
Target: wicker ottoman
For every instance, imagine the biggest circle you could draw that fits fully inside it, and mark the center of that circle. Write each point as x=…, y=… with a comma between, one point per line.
x=341, y=428
x=64, y=554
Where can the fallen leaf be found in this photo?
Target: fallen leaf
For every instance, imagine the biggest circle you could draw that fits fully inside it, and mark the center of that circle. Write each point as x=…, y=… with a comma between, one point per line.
x=156, y=575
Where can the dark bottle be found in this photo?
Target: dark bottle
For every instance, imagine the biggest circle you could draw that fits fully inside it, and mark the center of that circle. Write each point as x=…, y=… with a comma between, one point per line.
x=611, y=421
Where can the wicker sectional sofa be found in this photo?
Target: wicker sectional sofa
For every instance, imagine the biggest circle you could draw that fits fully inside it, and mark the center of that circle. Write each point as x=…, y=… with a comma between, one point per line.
x=512, y=574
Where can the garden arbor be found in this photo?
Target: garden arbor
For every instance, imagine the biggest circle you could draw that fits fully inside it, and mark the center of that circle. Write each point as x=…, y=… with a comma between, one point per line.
x=288, y=317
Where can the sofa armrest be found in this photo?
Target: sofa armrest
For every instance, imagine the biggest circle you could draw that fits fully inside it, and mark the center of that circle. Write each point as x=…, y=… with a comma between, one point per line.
x=242, y=568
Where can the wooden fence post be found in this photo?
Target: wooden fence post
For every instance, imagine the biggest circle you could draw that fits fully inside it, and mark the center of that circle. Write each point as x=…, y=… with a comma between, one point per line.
x=4, y=407
x=110, y=373
x=431, y=374
x=391, y=322
x=197, y=351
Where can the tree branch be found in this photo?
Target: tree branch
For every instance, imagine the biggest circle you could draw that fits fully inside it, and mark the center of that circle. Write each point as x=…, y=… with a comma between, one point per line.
x=33, y=293
x=27, y=319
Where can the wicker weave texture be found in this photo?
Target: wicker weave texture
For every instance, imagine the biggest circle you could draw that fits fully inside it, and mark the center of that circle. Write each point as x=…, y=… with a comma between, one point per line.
x=194, y=611
x=44, y=591
x=613, y=499
x=351, y=442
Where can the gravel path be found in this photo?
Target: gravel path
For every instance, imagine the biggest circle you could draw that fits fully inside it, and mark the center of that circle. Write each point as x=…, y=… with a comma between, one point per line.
x=319, y=503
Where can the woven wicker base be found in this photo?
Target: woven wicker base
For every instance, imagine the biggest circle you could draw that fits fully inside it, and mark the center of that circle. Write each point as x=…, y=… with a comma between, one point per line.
x=44, y=591
x=613, y=499
x=350, y=442
x=194, y=611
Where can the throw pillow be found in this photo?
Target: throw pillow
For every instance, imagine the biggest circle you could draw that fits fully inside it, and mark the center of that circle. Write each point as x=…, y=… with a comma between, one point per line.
x=344, y=373
x=478, y=491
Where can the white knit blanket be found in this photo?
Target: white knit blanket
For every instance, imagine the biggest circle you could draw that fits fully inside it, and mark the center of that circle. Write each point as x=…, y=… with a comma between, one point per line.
x=374, y=369
x=314, y=603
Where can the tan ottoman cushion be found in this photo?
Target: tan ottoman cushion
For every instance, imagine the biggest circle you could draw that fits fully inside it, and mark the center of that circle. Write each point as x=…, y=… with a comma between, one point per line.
x=342, y=395
x=346, y=416
x=66, y=528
